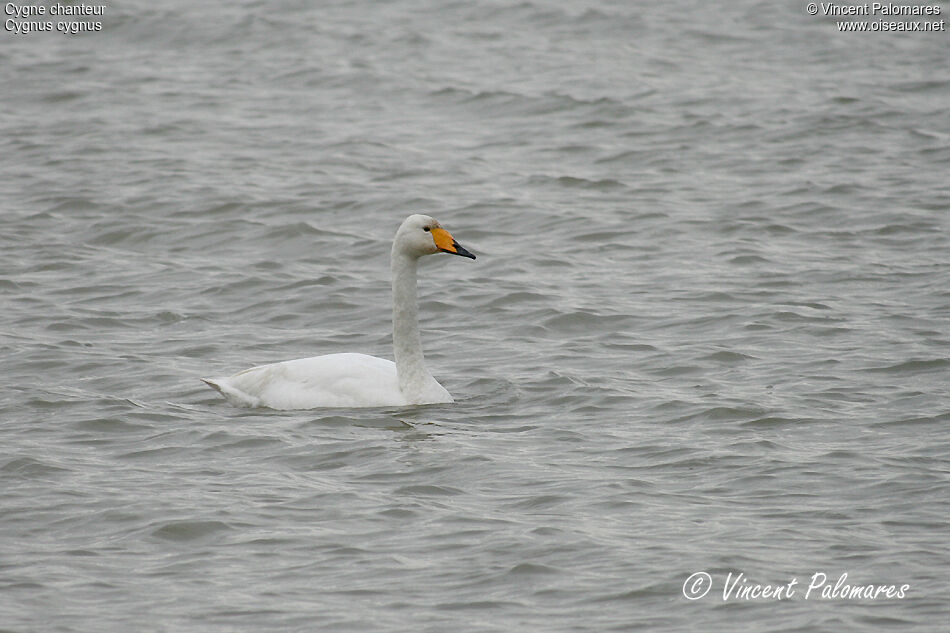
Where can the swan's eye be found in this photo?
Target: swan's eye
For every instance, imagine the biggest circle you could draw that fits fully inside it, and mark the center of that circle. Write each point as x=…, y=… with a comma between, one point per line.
x=426, y=229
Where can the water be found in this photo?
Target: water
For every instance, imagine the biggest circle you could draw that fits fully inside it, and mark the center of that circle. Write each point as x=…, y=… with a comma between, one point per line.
x=707, y=330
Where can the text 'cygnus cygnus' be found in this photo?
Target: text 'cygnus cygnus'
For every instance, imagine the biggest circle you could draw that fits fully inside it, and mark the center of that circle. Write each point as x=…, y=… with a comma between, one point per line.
x=358, y=380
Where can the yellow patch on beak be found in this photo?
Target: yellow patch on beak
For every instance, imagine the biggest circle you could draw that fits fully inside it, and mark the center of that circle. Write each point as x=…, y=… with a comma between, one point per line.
x=447, y=244
x=443, y=240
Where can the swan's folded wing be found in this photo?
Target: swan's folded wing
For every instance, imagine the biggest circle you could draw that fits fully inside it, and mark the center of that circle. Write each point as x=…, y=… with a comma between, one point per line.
x=334, y=380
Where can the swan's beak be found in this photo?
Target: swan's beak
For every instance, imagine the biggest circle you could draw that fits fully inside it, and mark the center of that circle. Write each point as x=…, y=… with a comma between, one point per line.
x=447, y=244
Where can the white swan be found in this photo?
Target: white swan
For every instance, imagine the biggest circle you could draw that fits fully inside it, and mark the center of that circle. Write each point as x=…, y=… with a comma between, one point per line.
x=358, y=380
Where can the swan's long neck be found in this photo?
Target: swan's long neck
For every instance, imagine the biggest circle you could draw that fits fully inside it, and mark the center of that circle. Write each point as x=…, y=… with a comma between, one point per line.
x=407, y=346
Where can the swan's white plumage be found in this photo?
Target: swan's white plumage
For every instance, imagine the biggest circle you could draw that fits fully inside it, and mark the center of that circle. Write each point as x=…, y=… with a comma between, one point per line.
x=358, y=380
x=334, y=380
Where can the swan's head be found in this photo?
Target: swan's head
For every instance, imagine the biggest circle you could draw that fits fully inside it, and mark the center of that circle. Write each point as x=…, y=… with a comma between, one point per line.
x=421, y=235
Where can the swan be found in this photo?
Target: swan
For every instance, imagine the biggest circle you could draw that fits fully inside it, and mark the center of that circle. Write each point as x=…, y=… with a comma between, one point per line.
x=359, y=380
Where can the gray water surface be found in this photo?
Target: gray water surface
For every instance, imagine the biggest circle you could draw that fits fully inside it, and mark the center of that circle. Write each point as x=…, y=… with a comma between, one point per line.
x=707, y=329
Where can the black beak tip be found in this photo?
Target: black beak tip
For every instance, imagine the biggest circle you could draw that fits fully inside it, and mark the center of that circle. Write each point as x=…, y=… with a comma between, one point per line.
x=460, y=250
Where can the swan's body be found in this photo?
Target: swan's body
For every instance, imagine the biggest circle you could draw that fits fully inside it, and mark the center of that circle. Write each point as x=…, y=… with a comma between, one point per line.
x=358, y=380
x=334, y=380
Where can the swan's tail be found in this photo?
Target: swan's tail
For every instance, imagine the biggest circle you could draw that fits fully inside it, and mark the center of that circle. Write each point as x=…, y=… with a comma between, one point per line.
x=211, y=382
x=235, y=396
